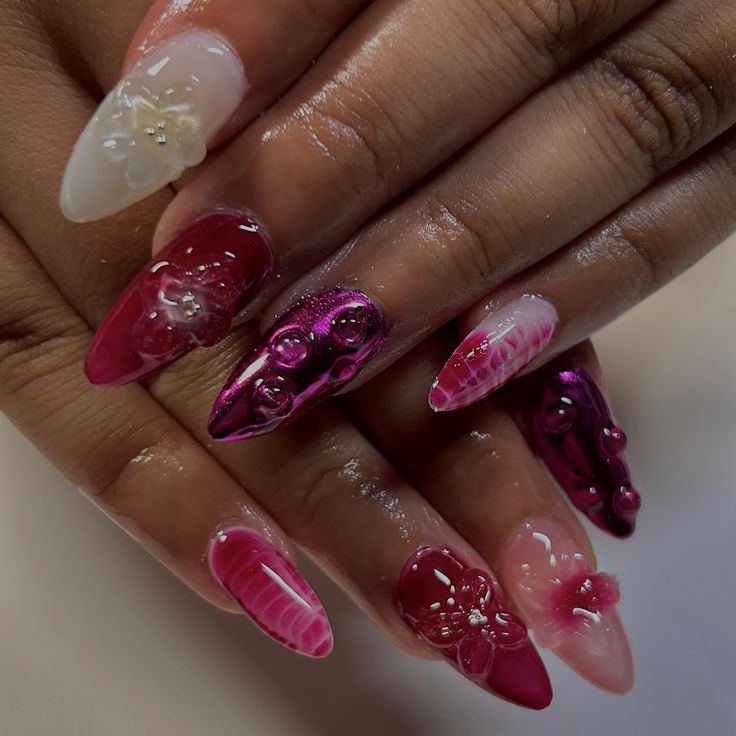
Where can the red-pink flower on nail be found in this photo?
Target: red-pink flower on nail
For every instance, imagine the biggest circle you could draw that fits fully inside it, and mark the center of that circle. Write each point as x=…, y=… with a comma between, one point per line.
x=187, y=304
x=471, y=621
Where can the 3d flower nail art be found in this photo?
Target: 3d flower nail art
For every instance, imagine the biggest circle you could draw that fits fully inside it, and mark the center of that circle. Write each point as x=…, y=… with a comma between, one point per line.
x=156, y=122
x=312, y=352
x=500, y=347
x=459, y=611
x=186, y=297
x=271, y=591
x=571, y=608
x=584, y=449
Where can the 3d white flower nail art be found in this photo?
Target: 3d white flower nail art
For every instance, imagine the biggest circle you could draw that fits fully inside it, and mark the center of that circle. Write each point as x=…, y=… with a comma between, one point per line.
x=155, y=124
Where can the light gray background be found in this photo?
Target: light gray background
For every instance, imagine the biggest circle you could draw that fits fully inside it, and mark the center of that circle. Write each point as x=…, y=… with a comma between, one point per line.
x=96, y=640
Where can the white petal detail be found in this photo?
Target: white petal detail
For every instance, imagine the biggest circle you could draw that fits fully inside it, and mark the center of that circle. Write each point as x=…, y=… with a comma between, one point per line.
x=156, y=123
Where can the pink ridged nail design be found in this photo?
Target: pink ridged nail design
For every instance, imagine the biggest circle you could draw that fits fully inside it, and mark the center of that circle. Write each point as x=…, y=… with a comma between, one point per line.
x=460, y=611
x=571, y=608
x=499, y=348
x=271, y=591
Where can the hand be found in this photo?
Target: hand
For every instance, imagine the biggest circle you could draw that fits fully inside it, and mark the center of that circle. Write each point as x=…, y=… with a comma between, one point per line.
x=644, y=124
x=221, y=517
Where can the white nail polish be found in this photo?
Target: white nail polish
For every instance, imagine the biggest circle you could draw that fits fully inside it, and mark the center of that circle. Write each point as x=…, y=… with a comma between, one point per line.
x=153, y=125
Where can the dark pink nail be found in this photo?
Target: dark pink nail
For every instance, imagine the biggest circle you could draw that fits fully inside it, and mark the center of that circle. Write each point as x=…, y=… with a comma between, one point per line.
x=186, y=297
x=312, y=352
x=271, y=591
x=583, y=448
x=459, y=611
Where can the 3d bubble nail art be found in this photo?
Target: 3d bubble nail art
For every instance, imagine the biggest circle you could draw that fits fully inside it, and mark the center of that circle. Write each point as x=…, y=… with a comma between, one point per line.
x=584, y=449
x=312, y=352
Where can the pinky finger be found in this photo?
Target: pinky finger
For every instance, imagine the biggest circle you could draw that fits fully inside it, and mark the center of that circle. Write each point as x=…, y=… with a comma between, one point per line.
x=141, y=467
x=557, y=304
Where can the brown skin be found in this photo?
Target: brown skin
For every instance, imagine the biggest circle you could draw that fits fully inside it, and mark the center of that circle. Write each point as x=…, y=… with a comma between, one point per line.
x=324, y=483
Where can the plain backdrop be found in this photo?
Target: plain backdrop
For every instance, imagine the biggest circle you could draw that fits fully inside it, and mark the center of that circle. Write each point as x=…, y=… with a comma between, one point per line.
x=97, y=640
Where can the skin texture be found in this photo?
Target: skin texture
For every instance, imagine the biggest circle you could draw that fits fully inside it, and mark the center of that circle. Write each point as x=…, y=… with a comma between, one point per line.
x=142, y=452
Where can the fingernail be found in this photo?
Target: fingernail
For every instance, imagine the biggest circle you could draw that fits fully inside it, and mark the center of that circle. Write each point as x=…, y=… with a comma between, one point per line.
x=312, y=352
x=185, y=297
x=271, y=591
x=460, y=612
x=499, y=348
x=570, y=607
x=584, y=450
x=155, y=123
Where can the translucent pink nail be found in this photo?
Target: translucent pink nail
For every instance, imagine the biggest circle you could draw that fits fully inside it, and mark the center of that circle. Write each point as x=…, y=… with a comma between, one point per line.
x=499, y=348
x=271, y=591
x=570, y=607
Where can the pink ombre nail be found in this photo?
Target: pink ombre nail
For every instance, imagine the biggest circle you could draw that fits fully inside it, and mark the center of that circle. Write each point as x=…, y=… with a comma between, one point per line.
x=570, y=607
x=459, y=611
x=498, y=349
x=271, y=591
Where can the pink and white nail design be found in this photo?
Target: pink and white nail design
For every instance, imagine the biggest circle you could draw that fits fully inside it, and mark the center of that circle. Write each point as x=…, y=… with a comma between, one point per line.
x=497, y=350
x=571, y=608
x=271, y=591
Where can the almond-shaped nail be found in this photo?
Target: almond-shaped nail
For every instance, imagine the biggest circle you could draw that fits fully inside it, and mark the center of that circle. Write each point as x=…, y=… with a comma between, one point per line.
x=184, y=298
x=311, y=353
x=459, y=611
x=271, y=591
x=570, y=606
x=583, y=448
x=499, y=348
x=156, y=123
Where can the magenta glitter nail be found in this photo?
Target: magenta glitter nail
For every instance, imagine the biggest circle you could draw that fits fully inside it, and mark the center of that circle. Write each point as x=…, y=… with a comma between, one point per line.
x=312, y=352
x=271, y=591
x=583, y=448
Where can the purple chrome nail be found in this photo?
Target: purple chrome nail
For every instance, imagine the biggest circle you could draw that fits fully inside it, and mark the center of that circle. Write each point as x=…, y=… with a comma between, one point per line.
x=583, y=448
x=312, y=352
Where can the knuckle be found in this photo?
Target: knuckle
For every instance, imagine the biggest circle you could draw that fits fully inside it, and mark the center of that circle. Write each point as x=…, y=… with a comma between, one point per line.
x=458, y=240
x=658, y=99
x=649, y=263
x=36, y=346
x=558, y=30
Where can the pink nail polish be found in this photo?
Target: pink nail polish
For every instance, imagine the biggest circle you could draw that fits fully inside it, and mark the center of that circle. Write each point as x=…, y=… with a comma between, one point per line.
x=571, y=608
x=499, y=348
x=311, y=353
x=584, y=449
x=186, y=297
x=271, y=591
x=459, y=611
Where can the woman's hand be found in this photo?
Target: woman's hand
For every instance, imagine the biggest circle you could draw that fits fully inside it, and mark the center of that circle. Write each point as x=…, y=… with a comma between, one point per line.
x=407, y=510
x=522, y=144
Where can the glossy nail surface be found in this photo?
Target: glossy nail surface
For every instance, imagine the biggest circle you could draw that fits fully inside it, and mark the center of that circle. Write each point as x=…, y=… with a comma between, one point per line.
x=153, y=125
x=459, y=611
x=184, y=298
x=271, y=591
x=584, y=449
x=312, y=352
x=499, y=348
x=571, y=608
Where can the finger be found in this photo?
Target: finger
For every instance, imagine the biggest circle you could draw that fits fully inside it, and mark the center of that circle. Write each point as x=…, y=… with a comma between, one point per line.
x=598, y=277
x=195, y=75
x=141, y=467
x=612, y=122
x=354, y=133
x=477, y=469
x=335, y=492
